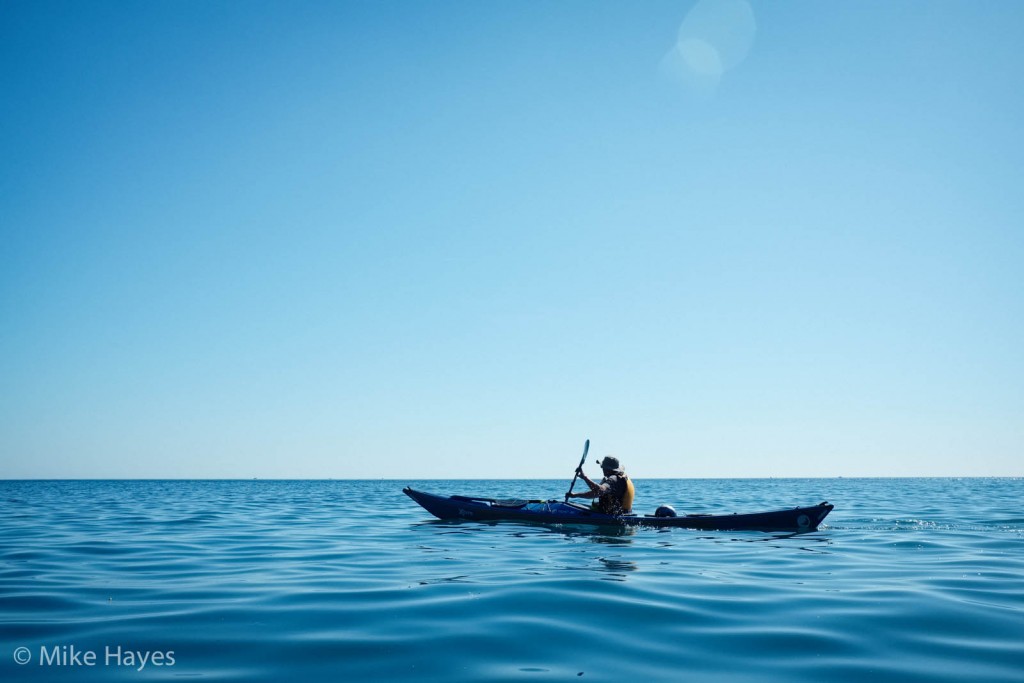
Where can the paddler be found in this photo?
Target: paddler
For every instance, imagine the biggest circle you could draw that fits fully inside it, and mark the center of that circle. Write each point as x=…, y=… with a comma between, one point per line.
x=615, y=492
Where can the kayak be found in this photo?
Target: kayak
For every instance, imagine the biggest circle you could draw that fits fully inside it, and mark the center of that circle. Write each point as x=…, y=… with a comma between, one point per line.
x=558, y=512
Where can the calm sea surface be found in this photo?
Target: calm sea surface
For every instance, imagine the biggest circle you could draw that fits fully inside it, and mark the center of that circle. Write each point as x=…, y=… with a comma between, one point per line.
x=907, y=580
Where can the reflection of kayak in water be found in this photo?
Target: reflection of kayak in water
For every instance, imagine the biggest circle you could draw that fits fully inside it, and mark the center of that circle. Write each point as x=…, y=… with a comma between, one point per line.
x=558, y=512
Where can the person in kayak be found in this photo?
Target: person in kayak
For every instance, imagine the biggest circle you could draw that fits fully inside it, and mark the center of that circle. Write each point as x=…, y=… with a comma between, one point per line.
x=615, y=492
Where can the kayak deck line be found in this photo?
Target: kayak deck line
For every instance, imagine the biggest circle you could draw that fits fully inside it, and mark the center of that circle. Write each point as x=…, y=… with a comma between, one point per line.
x=797, y=519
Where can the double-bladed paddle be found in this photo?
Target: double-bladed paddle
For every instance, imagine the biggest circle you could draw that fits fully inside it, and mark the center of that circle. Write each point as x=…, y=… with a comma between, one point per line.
x=586, y=447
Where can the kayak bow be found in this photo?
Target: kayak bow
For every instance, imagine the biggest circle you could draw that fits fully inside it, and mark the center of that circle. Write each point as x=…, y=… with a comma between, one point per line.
x=558, y=512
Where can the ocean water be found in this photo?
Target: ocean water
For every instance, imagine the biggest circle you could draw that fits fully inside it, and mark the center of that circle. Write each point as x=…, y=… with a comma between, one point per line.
x=907, y=580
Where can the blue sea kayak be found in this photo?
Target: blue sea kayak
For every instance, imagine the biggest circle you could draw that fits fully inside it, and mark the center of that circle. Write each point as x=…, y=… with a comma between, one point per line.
x=558, y=512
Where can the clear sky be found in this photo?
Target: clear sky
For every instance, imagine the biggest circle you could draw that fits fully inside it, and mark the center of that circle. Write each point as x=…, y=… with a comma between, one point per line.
x=455, y=239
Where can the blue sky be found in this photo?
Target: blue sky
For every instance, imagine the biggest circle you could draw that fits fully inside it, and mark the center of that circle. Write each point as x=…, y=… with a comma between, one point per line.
x=455, y=239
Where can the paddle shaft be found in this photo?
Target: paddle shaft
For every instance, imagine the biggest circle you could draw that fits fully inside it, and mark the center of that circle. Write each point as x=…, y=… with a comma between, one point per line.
x=586, y=447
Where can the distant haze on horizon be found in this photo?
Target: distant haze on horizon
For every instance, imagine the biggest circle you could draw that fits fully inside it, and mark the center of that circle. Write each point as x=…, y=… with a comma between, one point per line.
x=400, y=241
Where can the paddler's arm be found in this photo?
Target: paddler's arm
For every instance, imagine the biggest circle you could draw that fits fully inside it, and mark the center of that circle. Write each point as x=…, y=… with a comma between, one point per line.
x=595, y=489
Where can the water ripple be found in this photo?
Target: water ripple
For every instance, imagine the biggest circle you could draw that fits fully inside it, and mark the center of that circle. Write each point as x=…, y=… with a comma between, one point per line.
x=908, y=580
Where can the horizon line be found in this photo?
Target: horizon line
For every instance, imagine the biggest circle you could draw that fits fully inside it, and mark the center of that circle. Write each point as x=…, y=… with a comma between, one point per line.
x=706, y=478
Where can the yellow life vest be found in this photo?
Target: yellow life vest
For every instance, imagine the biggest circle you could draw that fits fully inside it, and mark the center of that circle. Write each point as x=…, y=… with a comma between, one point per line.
x=627, y=499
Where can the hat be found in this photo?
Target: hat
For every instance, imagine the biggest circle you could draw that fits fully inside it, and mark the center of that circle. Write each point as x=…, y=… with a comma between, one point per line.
x=610, y=463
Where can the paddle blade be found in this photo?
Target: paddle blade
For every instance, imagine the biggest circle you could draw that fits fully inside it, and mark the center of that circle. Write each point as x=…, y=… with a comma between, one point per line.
x=586, y=449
